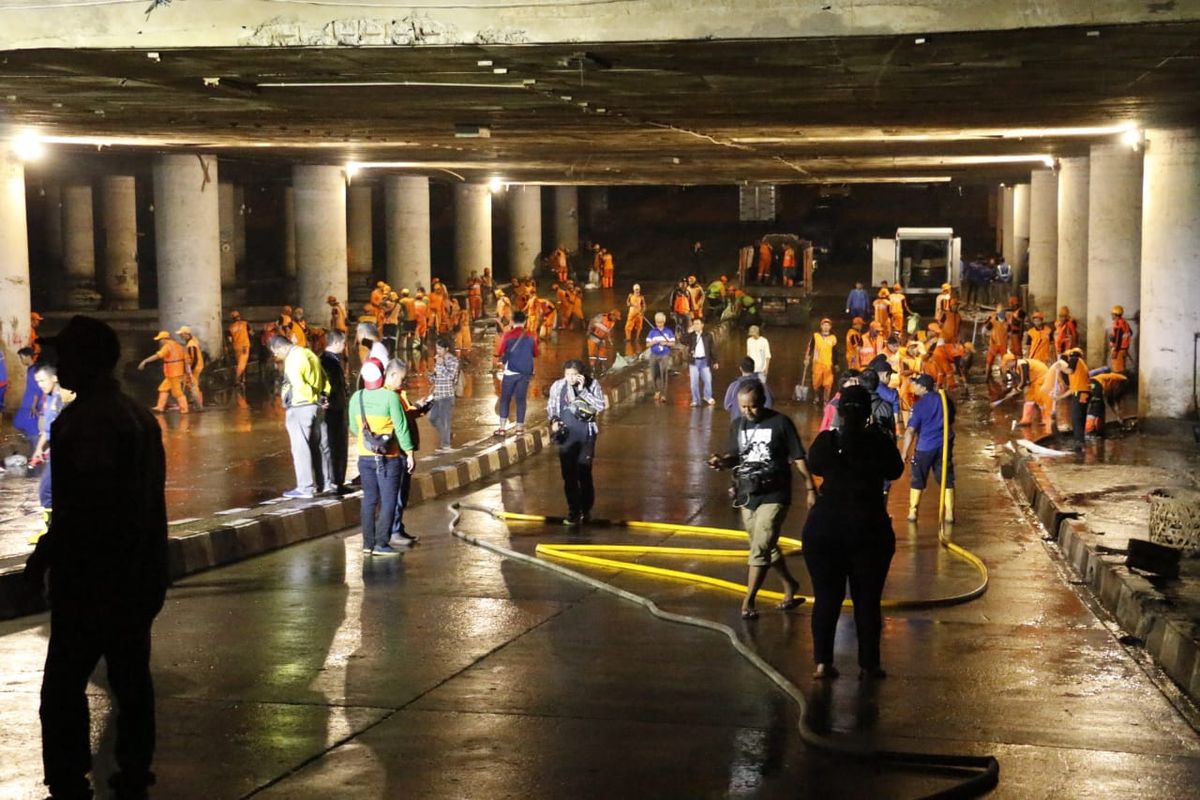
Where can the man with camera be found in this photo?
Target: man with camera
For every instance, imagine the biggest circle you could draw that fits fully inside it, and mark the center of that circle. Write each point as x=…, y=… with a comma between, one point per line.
x=763, y=444
x=575, y=401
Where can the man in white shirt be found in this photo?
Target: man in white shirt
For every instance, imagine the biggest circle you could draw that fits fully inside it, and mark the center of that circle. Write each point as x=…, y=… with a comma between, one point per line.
x=759, y=349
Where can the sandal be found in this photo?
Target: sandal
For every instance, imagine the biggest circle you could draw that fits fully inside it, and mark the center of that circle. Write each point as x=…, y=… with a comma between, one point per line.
x=749, y=613
x=500, y=432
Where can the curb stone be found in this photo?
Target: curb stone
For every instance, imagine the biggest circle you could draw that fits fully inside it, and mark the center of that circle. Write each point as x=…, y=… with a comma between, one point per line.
x=228, y=541
x=1140, y=609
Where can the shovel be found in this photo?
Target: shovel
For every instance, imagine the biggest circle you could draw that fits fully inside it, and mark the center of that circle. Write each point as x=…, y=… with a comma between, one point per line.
x=801, y=393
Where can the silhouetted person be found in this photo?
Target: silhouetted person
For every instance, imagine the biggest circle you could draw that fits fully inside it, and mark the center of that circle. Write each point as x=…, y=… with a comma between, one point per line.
x=104, y=562
x=333, y=361
x=848, y=535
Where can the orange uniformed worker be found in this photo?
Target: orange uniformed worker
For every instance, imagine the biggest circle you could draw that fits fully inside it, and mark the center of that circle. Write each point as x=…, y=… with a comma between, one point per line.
x=420, y=311
x=820, y=354
x=637, y=314
x=195, y=364
x=872, y=345
x=1032, y=375
x=599, y=338
x=765, y=256
x=898, y=305
x=238, y=335
x=175, y=371
x=951, y=321
x=1071, y=365
x=299, y=331
x=1038, y=340
x=1119, y=340
x=475, y=296
x=35, y=319
x=607, y=269
x=504, y=310
x=854, y=343
x=883, y=311
x=1066, y=332
x=942, y=303
x=997, y=325
x=437, y=306
x=337, y=315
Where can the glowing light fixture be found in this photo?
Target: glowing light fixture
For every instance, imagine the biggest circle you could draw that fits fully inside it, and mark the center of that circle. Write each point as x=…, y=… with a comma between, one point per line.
x=495, y=184
x=1132, y=137
x=352, y=169
x=28, y=146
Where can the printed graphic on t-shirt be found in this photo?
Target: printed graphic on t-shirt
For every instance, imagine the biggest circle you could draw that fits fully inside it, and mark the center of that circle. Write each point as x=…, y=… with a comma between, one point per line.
x=755, y=445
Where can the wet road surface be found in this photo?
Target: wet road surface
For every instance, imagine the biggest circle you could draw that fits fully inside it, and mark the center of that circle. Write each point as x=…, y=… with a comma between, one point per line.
x=452, y=673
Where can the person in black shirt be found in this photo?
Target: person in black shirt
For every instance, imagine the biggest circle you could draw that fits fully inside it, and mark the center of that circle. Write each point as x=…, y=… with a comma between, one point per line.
x=333, y=361
x=105, y=556
x=763, y=444
x=848, y=535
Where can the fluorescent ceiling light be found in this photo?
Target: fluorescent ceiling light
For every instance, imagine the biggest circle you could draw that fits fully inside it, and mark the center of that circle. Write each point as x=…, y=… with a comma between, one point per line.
x=882, y=179
x=28, y=146
x=964, y=135
x=360, y=84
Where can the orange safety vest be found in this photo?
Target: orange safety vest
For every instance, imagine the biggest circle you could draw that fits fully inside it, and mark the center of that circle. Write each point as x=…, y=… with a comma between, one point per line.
x=173, y=357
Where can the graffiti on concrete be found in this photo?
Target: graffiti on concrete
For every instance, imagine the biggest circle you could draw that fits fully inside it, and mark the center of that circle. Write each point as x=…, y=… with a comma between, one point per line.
x=412, y=30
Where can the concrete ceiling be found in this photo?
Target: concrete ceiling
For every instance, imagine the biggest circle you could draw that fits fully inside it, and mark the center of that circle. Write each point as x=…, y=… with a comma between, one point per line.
x=695, y=112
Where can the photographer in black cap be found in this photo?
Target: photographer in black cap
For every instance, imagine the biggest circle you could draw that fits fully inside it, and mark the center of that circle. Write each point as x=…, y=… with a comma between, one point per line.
x=104, y=561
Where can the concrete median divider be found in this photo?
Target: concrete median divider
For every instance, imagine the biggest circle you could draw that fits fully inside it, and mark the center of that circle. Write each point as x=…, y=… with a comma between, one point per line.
x=1139, y=607
x=220, y=541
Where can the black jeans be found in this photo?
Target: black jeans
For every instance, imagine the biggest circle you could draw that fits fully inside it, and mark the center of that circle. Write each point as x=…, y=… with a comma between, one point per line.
x=575, y=459
x=403, y=497
x=1078, y=421
x=830, y=564
x=339, y=443
x=78, y=639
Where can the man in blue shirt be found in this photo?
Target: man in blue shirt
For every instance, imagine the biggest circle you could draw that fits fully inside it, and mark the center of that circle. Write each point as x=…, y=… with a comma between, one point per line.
x=857, y=302
x=660, y=339
x=746, y=368
x=885, y=392
x=927, y=426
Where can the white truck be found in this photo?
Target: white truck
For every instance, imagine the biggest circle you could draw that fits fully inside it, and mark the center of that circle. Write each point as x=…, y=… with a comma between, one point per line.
x=921, y=259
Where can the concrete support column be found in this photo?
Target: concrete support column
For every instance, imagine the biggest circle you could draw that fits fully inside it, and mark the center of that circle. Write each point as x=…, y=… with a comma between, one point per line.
x=119, y=202
x=1114, y=240
x=79, y=247
x=472, y=230
x=14, y=273
x=227, y=208
x=320, y=235
x=1008, y=225
x=1043, y=241
x=1073, y=174
x=566, y=218
x=359, y=247
x=188, y=245
x=289, y=232
x=409, y=261
x=524, y=228
x=1170, y=296
x=1019, y=256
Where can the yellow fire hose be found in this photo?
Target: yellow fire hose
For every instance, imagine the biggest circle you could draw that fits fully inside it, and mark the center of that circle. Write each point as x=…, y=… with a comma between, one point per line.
x=586, y=554
x=983, y=772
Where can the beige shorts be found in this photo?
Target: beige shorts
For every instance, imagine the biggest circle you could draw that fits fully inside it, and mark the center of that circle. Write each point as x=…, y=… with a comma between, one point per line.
x=764, y=524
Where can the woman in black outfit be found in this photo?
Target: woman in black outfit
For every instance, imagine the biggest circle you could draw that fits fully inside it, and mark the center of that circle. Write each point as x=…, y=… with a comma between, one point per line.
x=848, y=534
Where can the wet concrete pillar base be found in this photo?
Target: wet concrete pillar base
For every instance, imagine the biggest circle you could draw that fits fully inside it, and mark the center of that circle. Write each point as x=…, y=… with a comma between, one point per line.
x=320, y=235
x=14, y=273
x=1114, y=240
x=79, y=249
x=188, y=247
x=1170, y=278
x=1043, y=241
x=472, y=231
x=227, y=208
x=360, y=250
x=1073, y=178
x=289, y=232
x=119, y=207
x=524, y=228
x=1018, y=258
x=409, y=261
x=566, y=218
